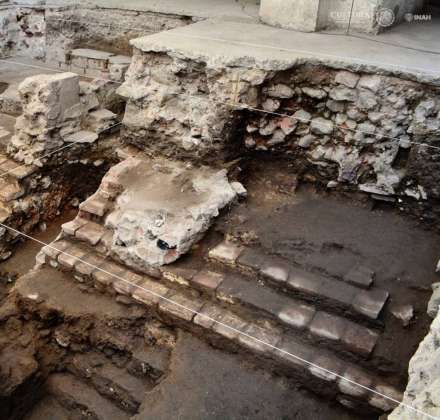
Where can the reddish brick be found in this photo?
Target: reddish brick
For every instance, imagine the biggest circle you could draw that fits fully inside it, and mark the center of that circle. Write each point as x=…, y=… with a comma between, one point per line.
x=95, y=204
x=53, y=249
x=90, y=232
x=70, y=256
x=229, y=326
x=207, y=280
x=149, y=292
x=226, y=252
x=71, y=227
x=208, y=315
x=178, y=275
x=260, y=340
x=180, y=306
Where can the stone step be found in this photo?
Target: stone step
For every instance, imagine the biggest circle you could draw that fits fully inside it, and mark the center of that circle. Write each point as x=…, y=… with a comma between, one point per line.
x=329, y=292
x=191, y=313
x=259, y=301
x=255, y=301
x=10, y=190
x=114, y=383
x=100, y=120
x=81, y=399
x=48, y=409
x=11, y=169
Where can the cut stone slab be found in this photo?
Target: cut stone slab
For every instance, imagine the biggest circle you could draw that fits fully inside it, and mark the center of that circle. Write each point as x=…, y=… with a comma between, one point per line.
x=370, y=303
x=81, y=137
x=261, y=46
x=360, y=276
x=163, y=210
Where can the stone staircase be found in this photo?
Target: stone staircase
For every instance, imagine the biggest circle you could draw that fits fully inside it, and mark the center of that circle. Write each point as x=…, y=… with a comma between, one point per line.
x=93, y=386
x=110, y=364
x=333, y=324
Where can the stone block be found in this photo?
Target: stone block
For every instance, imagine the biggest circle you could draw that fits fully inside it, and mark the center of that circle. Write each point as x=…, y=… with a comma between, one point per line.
x=150, y=292
x=382, y=403
x=360, y=276
x=260, y=340
x=96, y=204
x=107, y=273
x=178, y=275
x=88, y=264
x=71, y=227
x=70, y=256
x=230, y=326
x=10, y=190
x=251, y=259
x=207, y=280
x=90, y=232
x=180, y=306
x=300, y=15
x=275, y=270
x=327, y=326
x=297, y=316
x=89, y=58
x=208, y=315
x=359, y=339
x=53, y=249
x=305, y=282
x=294, y=354
x=347, y=78
x=165, y=208
x=81, y=136
x=357, y=375
x=326, y=367
x=225, y=252
x=370, y=302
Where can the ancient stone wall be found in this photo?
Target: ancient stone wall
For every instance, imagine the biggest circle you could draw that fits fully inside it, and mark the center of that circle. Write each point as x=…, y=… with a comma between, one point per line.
x=22, y=31
x=345, y=129
x=102, y=29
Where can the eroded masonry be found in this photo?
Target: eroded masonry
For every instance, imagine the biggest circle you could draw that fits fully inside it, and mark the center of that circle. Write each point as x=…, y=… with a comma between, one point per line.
x=195, y=193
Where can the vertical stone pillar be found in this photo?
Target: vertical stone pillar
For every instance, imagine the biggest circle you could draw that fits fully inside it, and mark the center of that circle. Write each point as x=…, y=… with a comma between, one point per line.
x=51, y=112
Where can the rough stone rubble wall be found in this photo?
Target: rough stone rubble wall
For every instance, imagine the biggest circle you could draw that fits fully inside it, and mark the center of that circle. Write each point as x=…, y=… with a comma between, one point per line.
x=43, y=170
x=103, y=29
x=348, y=130
x=423, y=389
x=51, y=33
x=22, y=30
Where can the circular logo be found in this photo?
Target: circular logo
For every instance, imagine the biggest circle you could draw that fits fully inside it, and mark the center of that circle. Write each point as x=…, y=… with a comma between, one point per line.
x=385, y=17
x=409, y=17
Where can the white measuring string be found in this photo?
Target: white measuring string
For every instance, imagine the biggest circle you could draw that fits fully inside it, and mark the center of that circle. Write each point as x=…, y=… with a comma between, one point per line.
x=222, y=323
x=238, y=105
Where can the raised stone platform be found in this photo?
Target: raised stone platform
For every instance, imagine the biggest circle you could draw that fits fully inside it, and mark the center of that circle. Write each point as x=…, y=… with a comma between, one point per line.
x=256, y=45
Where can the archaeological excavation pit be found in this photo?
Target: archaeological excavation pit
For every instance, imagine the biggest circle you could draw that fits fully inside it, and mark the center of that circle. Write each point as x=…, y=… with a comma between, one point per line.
x=219, y=210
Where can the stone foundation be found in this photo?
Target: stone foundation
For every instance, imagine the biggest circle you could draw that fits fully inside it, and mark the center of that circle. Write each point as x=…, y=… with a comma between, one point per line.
x=343, y=128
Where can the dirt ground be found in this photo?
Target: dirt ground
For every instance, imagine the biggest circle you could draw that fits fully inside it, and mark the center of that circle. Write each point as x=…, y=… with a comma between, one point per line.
x=210, y=384
x=328, y=233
